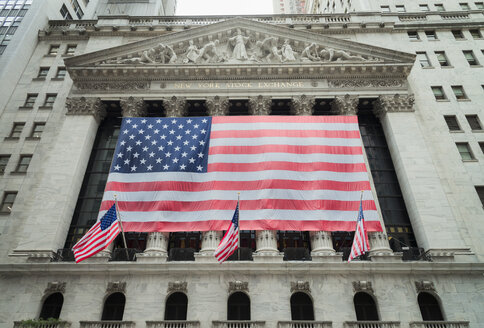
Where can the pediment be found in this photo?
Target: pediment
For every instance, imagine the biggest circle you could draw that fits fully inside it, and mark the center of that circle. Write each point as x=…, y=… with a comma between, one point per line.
x=240, y=43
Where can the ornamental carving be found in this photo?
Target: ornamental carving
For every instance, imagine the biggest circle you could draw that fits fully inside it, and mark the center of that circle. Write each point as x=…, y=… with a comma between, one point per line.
x=345, y=105
x=424, y=286
x=303, y=105
x=175, y=106
x=300, y=286
x=217, y=106
x=113, y=85
x=391, y=83
x=116, y=287
x=177, y=286
x=260, y=105
x=238, y=286
x=393, y=104
x=86, y=106
x=363, y=286
x=55, y=287
x=133, y=107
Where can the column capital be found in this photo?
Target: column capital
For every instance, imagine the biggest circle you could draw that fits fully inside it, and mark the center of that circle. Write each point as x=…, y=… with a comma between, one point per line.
x=217, y=106
x=396, y=103
x=175, y=106
x=345, y=105
x=86, y=106
x=133, y=107
x=260, y=105
x=303, y=105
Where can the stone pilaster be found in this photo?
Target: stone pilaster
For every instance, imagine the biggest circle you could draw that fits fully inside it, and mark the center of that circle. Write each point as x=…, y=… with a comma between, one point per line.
x=86, y=106
x=345, y=105
x=175, y=106
x=260, y=105
x=303, y=105
x=217, y=106
x=133, y=107
x=393, y=104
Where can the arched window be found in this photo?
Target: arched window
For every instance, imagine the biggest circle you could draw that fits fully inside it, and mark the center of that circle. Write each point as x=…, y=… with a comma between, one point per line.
x=238, y=307
x=429, y=307
x=301, y=307
x=176, y=307
x=52, y=306
x=365, y=307
x=114, y=307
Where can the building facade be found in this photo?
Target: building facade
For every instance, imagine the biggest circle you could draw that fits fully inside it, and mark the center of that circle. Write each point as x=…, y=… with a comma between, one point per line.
x=289, y=6
x=413, y=79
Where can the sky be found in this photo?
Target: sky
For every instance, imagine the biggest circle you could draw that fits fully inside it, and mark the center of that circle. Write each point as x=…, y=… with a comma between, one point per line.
x=224, y=7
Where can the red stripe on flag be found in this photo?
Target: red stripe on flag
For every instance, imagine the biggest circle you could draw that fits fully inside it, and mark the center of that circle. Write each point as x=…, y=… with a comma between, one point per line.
x=285, y=119
x=287, y=149
x=286, y=166
x=345, y=134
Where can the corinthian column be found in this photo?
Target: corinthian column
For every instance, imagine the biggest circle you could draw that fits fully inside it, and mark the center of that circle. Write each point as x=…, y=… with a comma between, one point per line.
x=133, y=107
x=303, y=105
x=321, y=243
x=175, y=106
x=266, y=242
x=345, y=105
x=260, y=105
x=217, y=106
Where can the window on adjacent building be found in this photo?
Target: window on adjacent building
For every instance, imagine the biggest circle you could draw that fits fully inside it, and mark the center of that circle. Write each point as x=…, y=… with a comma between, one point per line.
x=114, y=307
x=429, y=307
x=480, y=193
x=413, y=35
x=3, y=163
x=301, y=307
x=30, y=101
x=16, y=130
x=470, y=57
x=43, y=71
x=7, y=202
x=77, y=9
x=61, y=73
x=71, y=49
x=442, y=58
x=37, y=129
x=400, y=8
x=474, y=122
x=385, y=9
x=438, y=93
x=50, y=99
x=23, y=163
x=431, y=35
x=465, y=151
x=464, y=6
x=439, y=7
x=65, y=12
x=476, y=34
x=238, y=307
x=459, y=92
x=365, y=307
x=423, y=59
x=481, y=145
x=479, y=5
x=52, y=306
x=458, y=35
x=424, y=7
x=54, y=50
x=176, y=307
x=452, y=122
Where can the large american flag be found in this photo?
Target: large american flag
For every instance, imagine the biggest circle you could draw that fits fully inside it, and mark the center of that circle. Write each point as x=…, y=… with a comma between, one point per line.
x=292, y=172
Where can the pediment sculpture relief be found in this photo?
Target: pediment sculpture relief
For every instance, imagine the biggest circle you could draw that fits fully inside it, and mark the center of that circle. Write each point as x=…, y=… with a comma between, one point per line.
x=239, y=48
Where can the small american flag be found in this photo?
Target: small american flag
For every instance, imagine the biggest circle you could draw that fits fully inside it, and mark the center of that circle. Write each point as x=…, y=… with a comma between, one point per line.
x=229, y=243
x=98, y=237
x=360, y=242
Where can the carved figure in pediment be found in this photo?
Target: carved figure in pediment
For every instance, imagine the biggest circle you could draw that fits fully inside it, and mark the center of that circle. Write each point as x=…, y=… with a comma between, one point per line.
x=192, y=53
x=269, y=45
x=287, y=52
x=208, y=53
x=330, y=54
x=239, y=41
x=166, y=54
x=310, y=53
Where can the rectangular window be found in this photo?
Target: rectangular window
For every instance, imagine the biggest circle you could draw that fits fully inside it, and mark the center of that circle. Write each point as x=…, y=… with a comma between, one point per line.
x=30, y=101
x=442, y=58
x=71, y=49
x=23, y=163
x=438, y=93
x=464, y=6
x=413, y=35
x=474, y=122
x=3, y=163
x=7, y=202
x=65, y=13
x=439, y=7
x=49, y=100
x=431, y=35
x=385, y=9
x=465, y=151
x=53, y=50
x=423, y=59
x=471, y=59
x=424, y=7
x=481, y=144
x=37, y=129
x=43, y=71
x=458, y=35
x=400, y=8
x=459, y=92
x=452, y=122
x=61, y=73
x=77, y=9
x=16, y=130
x=476, y=34
x=480, y=193
x=479, y=5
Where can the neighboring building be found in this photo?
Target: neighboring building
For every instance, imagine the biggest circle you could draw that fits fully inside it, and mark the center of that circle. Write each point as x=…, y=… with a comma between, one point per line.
x=414, y=80
x=289, y=6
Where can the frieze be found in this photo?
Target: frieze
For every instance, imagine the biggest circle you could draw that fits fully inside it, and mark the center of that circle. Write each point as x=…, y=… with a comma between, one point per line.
x=237, y=286
x=367, y=83
x=113, y=85
x=300, y=286
x=55, y=287
x=177, y=286
x=363, y=286
x=116, y=287
x=424, y=286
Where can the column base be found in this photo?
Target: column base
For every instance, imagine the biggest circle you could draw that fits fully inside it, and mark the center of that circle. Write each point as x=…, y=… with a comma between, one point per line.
x=326, y=257
x=101, y=257
x=267, y=257
x=386, y=257
x=205, y=257
x=151, y=256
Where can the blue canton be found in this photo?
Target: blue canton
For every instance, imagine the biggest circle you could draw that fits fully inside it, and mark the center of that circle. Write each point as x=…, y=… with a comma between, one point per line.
x=235, y=218
x=153, y=144
x=108, y=218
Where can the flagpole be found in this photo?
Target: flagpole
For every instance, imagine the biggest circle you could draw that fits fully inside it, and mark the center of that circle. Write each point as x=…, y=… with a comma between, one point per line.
x=238, y=231
x=121, y=226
